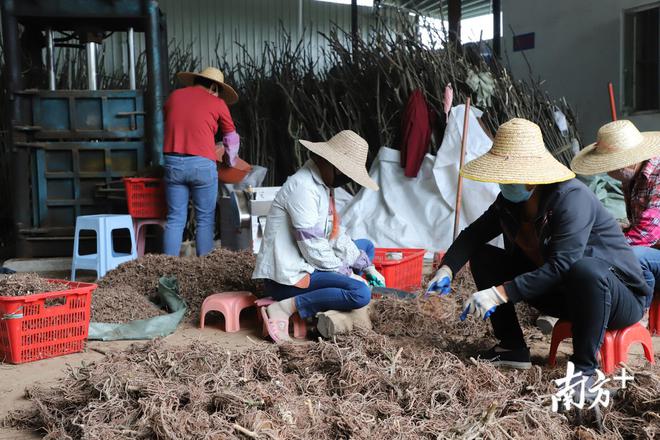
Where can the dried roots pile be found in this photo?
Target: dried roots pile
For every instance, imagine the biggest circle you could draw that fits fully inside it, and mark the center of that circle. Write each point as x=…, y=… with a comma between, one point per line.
x=122, y=304
x=19, y=284
x=221, y=270
x=362, y=386
x=406, y=383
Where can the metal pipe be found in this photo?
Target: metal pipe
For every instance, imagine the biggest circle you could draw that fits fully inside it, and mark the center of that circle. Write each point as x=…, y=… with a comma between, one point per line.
x=300, y=18
x=354, y=23
x=155, y=98
x=497, y=32
x=454, y=13
x=131, y=58
x=50, y=55
x=91, y=65
x=19, y=170
x=459, y=187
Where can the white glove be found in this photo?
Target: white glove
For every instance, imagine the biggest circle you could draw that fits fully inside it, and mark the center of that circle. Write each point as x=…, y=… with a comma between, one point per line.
x=441, y=282
x=483, y=303
x=371, y=270
x=358, y=278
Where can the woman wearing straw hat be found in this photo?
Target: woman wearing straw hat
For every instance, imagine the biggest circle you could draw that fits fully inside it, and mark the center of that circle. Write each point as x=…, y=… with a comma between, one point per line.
x=564, y=253
x=634, y=159
x=307, y=261
x=193, y=116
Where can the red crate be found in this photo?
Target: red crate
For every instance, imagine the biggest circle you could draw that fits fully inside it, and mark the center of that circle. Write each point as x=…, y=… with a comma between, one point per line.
x=404, y=274
x=145, y=197
x=31, y=330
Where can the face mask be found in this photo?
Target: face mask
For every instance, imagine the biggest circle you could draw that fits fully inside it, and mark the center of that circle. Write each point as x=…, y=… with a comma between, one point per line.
x=340, y=179
x=515, y=192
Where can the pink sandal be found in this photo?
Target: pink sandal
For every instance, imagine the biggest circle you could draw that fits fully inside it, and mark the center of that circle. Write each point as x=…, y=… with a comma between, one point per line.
x=276, y=327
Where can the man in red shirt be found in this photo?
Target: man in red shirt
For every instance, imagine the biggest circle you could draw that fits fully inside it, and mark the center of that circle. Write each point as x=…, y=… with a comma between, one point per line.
x=634, y=159
x=193, y=116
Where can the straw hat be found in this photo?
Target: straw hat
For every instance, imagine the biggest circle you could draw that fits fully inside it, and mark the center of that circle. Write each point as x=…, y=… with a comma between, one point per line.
x=348, y=153
x=518, y=155
x=226, y=92
x=619, y=145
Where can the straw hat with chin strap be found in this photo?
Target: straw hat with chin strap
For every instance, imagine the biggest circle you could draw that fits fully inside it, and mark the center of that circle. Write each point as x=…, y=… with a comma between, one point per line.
x=518, y=155
x=619, y=145
x=348, y=153
x=226, y=92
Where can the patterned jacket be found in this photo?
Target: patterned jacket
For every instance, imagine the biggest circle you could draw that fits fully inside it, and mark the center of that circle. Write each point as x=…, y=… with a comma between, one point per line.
x=642, y=198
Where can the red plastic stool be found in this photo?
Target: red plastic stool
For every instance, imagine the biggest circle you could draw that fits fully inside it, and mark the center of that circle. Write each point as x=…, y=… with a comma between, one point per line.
x=230, y=304
x=299, y=324
x=627, y=337
x=614, y=349
x=140, y=232
x=654, y=315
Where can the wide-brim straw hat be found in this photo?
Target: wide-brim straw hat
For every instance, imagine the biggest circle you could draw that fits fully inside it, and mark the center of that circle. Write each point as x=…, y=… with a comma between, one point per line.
x=619, y=144
x=518, y=155
x=226, y=91
x=347, y=151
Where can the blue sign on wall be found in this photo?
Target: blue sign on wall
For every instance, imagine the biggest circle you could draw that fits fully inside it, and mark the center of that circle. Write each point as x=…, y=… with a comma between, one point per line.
x=523, y=42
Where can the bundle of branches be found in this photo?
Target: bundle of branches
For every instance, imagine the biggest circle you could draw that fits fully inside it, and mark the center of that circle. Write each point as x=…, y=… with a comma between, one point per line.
x=361, y=386
x=288, y=92
x=219, y=271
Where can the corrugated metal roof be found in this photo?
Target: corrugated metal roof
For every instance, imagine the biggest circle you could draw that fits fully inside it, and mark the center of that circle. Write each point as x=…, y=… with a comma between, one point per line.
x=438, y=8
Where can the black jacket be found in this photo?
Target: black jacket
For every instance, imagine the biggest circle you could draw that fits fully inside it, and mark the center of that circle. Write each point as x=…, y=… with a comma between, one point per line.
x=572, y=224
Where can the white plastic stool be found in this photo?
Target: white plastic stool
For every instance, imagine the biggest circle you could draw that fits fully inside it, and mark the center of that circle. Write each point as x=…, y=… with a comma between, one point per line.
x=105, y=258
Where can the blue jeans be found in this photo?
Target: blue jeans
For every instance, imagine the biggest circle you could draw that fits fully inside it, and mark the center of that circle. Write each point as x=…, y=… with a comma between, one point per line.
x=649, y=259
x=327, y=290
x=190, y=176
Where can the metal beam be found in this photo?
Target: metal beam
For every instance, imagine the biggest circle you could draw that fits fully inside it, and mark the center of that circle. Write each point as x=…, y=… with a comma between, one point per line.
x=454, y=15
x=497, y=32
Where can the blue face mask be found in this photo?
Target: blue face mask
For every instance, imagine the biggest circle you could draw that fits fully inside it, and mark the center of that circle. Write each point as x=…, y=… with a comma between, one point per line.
x=515, y=192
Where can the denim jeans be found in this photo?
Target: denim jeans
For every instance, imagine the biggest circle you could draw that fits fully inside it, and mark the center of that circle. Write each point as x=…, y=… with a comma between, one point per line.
x=190, y=176
x=649, y=259
x=327, y=290
x=591, y=296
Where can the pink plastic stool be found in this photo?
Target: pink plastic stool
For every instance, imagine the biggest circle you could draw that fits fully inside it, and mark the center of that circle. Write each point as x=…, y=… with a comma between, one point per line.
x=654, y=315
x=230, y=304
x=614, y=349
x=140, y=232
x=299, y=324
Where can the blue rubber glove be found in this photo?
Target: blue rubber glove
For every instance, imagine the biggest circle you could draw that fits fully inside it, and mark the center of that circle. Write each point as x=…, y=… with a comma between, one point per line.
x=483, y=303
x=441, y=282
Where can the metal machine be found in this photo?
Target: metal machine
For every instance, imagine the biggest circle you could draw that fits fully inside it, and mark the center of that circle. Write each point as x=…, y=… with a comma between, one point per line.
x=243, y=217
x=63, y=144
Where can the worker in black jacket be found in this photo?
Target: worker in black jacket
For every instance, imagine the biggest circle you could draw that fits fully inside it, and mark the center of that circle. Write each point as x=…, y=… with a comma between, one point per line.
x=564, y=253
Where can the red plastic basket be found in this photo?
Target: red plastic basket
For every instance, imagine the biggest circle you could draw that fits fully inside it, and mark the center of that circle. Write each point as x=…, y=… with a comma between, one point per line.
x=31, y=329
x=145, y=197
x=404, y=274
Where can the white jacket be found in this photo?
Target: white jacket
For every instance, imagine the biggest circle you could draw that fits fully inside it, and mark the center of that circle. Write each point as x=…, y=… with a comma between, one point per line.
x=296, y=240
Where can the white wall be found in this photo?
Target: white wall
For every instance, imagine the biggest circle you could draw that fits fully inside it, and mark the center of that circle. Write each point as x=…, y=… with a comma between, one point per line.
x=578, y=50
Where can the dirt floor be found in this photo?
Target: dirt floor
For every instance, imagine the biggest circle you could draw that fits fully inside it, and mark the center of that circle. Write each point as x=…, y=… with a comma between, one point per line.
x=15, y=379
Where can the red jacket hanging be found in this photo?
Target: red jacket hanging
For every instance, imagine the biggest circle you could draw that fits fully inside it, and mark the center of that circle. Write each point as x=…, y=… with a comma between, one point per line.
x=417, y=122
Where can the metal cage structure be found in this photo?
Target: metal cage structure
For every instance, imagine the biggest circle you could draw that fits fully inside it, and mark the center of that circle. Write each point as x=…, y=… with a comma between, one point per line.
x=64, y=144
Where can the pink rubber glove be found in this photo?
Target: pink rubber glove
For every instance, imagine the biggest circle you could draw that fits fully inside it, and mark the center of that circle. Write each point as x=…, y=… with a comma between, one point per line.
x=232, y=143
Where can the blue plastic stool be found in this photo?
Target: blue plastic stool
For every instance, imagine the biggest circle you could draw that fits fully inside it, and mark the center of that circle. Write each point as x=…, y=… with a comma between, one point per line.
x=105, y=258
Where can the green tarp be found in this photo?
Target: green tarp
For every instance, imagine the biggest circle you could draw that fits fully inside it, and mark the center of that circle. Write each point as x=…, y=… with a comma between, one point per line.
x=609, y=192
x=168, y=291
